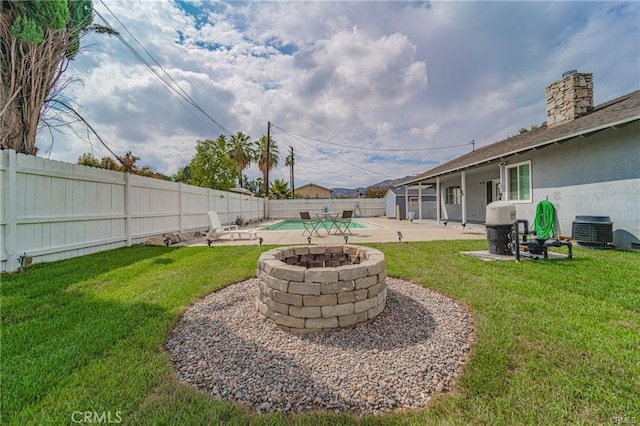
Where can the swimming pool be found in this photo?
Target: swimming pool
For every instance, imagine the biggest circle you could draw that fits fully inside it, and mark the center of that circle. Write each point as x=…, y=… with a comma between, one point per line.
x=296, y=225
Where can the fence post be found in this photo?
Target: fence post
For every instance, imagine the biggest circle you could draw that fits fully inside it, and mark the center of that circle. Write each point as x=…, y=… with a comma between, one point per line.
x=180, y=204
x=11, y=209
x=127, y=208
x=420, y=201
x=438, y=200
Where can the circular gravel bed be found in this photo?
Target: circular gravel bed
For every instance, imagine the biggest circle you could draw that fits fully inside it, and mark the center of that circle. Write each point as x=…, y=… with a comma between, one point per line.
x=411, y=351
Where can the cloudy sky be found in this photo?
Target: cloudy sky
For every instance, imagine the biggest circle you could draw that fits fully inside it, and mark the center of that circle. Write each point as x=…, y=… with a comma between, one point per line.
x=362, y=91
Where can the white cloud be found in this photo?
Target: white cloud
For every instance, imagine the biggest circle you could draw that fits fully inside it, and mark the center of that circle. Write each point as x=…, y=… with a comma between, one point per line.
x=384, y=76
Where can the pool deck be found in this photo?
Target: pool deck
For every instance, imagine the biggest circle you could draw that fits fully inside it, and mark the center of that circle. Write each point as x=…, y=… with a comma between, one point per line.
x=378, y=230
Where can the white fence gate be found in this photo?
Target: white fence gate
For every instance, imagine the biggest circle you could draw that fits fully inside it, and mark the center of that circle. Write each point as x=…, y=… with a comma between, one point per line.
x=428, y=207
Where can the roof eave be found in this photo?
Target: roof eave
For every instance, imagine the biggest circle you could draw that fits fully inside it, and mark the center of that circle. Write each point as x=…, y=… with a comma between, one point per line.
x=521, y=150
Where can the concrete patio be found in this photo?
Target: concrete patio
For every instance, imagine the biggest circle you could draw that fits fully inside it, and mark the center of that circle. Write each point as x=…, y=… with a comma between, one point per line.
x=378, y=230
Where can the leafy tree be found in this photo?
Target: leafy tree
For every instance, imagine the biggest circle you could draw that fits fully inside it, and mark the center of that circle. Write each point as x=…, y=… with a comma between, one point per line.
x=126, y=163
x=149, y=172
x=375, y=192
x=524, y=129
x=38, y=38
x=182, y=175
x=211, y=166
x=264, y=157
x=87, y=159
x=109, y=163
x=279, y=190
x=241, y=151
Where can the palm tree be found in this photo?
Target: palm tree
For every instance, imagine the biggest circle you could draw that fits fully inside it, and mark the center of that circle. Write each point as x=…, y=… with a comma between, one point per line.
x=129, y=161
x=289, y=162
x=241, y=151
x=263, y=158
x=279, y=189
x=254, y=185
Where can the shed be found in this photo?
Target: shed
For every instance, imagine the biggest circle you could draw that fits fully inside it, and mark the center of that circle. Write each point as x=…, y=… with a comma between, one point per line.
x=412, y=202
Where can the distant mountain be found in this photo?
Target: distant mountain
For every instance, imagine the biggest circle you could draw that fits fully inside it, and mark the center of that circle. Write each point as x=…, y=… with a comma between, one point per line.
x=391, y=182
x=346, y=192
x=353, y=192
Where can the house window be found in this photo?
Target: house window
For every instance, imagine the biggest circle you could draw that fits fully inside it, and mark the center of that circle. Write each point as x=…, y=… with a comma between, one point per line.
x=519, y=182
x=453, y=195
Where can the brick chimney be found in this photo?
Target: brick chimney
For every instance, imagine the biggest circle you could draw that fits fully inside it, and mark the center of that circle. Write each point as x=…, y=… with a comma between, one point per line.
x=569, y=98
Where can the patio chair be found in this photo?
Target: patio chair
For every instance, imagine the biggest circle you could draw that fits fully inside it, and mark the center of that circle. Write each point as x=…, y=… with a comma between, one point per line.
x=344, y=222
x=310, y=225
x=217, y=230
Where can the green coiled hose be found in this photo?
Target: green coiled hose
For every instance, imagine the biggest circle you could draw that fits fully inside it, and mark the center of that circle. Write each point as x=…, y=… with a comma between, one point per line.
x=543, y=224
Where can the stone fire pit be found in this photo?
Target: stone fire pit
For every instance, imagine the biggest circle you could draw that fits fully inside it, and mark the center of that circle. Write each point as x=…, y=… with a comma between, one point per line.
x=316, y=288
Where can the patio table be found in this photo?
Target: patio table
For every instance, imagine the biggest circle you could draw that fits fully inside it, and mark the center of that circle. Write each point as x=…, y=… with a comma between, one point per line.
x=331, y=217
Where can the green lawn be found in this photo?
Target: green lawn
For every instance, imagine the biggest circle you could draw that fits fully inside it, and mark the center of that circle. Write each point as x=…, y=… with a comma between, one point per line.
x=556, y=342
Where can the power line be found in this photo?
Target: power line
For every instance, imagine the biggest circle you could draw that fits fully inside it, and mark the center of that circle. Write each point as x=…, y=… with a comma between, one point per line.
x=335, y=156
x=291, y=133
x=324, y=183
x=280, y=171
x=295, y=136
x=147, y=52
x=86, y=123
x=168, y=86
x=335, y=174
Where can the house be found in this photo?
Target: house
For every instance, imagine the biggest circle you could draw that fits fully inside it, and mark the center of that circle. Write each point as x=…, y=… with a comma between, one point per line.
x=420, y=203
x=585, y=160
x=311, y=190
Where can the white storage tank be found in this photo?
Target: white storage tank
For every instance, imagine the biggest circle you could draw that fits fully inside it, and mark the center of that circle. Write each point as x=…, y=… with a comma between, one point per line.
x=500, y=216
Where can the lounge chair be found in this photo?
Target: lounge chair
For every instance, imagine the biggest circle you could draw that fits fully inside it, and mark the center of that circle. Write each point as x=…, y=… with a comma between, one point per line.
x=310, y=225
x=344, y=222
x=217, y=230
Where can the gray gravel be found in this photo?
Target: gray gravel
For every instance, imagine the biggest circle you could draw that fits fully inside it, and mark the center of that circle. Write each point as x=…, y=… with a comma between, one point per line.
x=411, y=351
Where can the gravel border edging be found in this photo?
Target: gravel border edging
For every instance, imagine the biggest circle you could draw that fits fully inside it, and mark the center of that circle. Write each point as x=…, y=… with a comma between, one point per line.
x=411, y=351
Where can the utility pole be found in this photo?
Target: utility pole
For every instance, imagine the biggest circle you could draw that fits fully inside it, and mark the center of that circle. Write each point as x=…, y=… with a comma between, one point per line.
x=266, y=175
x=473, y=144
x=266, y=180
x=293, y=191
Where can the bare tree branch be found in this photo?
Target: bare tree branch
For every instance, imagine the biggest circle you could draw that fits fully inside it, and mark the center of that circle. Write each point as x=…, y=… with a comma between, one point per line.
x=86, y=123
x=10, y=100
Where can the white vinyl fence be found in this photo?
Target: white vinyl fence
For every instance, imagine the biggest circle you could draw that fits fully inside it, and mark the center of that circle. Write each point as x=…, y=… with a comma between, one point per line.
x=290, y=209
x=53, y=210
